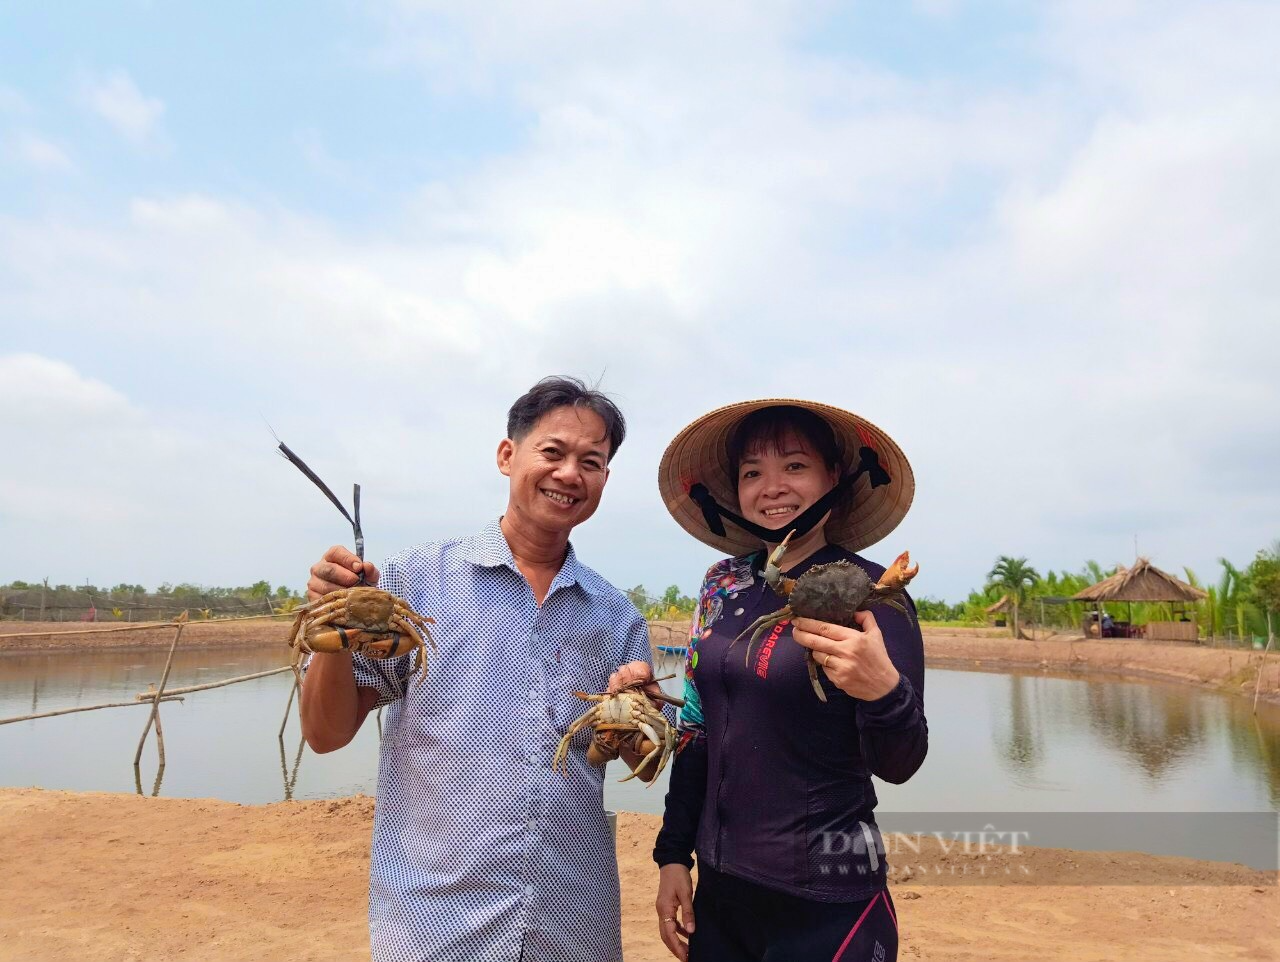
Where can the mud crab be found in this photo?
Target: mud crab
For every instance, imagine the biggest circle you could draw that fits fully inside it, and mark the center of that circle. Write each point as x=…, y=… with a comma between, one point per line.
x=831, y=593
x=627, y=718
x=363, y=619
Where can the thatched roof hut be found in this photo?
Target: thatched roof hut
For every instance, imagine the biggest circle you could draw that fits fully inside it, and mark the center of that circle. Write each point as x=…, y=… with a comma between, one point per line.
x=1143, y=582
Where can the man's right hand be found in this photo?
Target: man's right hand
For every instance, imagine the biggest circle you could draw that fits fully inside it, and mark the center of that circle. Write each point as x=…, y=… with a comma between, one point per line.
x=675, y=908
x=339, y=568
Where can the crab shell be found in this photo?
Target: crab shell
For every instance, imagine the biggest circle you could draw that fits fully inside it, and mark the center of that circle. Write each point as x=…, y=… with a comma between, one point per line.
x=831, y=593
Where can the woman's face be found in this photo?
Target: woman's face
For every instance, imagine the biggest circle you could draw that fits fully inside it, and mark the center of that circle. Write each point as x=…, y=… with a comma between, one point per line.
x=775, y=485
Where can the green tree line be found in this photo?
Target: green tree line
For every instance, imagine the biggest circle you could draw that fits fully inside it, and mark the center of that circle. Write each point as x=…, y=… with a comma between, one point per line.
x=671, y=605
x=118, y=600
x=1237, y=604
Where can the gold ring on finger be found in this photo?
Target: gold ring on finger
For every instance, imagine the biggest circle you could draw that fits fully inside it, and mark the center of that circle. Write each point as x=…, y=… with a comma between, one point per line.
x=826, y=657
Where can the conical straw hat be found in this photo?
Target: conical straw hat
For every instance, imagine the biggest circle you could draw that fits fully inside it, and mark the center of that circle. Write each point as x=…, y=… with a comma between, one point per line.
x=700, y=453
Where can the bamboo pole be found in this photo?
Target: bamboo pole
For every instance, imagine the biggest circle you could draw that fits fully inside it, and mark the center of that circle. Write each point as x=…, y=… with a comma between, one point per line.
x=155, y=700
x=160, y=746
x=147, y=695
x=1257, y=686
x=69, y=711
x=293, y=690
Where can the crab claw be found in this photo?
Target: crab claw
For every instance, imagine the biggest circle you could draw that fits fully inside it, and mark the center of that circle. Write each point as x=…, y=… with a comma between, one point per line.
x=772, y=568
x=899, y=574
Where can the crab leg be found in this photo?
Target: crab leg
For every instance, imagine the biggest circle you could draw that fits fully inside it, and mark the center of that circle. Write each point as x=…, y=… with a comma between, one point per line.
x=659, y=744
x=419, y=621
x=812, y=665
x=760, y=626
x=669, y=699
x=325, y=608
x=563, y=750
x=420, y=657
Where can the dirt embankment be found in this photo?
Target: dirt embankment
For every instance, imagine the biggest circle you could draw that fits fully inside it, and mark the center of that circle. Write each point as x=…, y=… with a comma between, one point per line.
x=122, y=877
x=1220, y=669
x=28, y=636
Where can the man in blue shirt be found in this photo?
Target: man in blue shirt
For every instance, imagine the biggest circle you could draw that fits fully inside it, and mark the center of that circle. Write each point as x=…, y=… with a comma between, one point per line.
x=480, y=850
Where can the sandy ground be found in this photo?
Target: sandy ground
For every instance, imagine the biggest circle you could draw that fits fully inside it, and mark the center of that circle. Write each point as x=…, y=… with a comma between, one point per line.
x=121, y=877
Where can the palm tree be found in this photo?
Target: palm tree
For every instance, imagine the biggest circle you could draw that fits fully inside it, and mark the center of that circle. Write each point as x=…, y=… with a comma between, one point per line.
x=1012, y=576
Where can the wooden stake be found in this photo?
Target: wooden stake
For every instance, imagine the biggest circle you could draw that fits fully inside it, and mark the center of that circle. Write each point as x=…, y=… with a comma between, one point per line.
x=155, y=700
x=293, y=690
x=1257, y=687
x=147, y=695
x=69, y=711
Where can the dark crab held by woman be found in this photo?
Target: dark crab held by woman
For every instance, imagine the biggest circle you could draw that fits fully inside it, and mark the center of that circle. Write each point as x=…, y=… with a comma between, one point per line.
x=832, y=593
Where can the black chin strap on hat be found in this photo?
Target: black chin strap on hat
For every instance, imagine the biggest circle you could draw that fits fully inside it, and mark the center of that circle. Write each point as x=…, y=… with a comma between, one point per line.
x=715, y=514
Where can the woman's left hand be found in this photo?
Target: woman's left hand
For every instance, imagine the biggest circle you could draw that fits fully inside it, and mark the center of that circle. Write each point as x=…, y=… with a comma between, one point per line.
x=854, y=659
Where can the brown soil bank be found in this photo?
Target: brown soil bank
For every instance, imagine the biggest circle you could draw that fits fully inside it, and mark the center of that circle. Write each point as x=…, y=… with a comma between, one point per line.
x=27, y=636
x=121, y=877
x=1221, y=669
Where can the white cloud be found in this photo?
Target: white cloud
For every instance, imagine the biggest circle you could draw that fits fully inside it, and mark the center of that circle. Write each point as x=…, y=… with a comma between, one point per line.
x=53, y=393
x=12, y=102
x=36, y=152
x=1059, y=298
x=117, y=100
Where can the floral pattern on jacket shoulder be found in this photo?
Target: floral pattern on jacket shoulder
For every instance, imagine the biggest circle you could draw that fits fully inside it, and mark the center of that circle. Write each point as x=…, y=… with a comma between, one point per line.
x=723, y=579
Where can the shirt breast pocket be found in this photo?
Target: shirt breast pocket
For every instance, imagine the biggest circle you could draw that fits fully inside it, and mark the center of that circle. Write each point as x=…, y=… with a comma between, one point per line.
x=579, y=671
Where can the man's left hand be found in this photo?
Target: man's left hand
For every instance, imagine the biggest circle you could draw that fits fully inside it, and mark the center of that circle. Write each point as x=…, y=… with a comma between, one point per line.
x=631, y=673
x=854, y=659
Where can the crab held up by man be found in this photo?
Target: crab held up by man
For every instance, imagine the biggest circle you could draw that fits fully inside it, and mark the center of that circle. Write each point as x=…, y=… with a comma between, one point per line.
x=360, y=618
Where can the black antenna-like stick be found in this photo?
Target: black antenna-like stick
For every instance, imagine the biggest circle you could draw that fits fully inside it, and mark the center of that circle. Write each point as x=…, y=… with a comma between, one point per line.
x=315, y=479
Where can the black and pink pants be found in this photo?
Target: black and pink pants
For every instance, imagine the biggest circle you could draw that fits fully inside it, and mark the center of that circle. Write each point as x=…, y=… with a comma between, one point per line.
x=740, y=921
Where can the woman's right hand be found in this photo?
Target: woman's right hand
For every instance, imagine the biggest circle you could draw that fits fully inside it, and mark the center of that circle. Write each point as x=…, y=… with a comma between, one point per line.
x=675, y=908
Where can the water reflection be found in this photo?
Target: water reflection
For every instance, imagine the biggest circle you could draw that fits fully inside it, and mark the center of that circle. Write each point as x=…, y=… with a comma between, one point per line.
x=291, y=781
x=1153, y=726
x=1024, y=742
x=1020, y=745
x=1257, y=748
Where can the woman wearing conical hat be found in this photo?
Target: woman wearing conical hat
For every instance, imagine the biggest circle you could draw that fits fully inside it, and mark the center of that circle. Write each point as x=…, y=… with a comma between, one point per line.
x=772, y=787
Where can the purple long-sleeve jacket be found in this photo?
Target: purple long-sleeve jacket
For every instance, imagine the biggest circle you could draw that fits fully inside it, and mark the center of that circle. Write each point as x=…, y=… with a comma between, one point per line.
x=773, y=785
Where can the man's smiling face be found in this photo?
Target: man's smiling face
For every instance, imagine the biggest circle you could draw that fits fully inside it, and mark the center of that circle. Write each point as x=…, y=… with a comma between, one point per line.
x=558, y=470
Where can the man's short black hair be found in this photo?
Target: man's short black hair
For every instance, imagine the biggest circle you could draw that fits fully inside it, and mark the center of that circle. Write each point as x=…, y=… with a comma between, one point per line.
x=561, y=391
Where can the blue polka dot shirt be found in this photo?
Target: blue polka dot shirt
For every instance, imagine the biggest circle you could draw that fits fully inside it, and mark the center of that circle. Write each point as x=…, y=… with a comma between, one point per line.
x=480, y=850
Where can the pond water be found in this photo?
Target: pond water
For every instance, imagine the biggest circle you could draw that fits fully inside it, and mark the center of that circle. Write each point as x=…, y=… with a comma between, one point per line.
x=999, y=743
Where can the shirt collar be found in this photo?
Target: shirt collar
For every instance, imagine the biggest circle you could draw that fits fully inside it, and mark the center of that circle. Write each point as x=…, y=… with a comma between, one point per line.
x=489, y=549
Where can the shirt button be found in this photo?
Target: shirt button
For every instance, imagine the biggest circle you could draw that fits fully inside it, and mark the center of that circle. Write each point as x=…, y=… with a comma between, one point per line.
x=739, y=611
x=533, y=693
x=528, y=890
x=734, y=596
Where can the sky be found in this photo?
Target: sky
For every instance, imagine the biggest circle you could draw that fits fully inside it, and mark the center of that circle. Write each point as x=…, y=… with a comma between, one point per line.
x=1036, y=243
